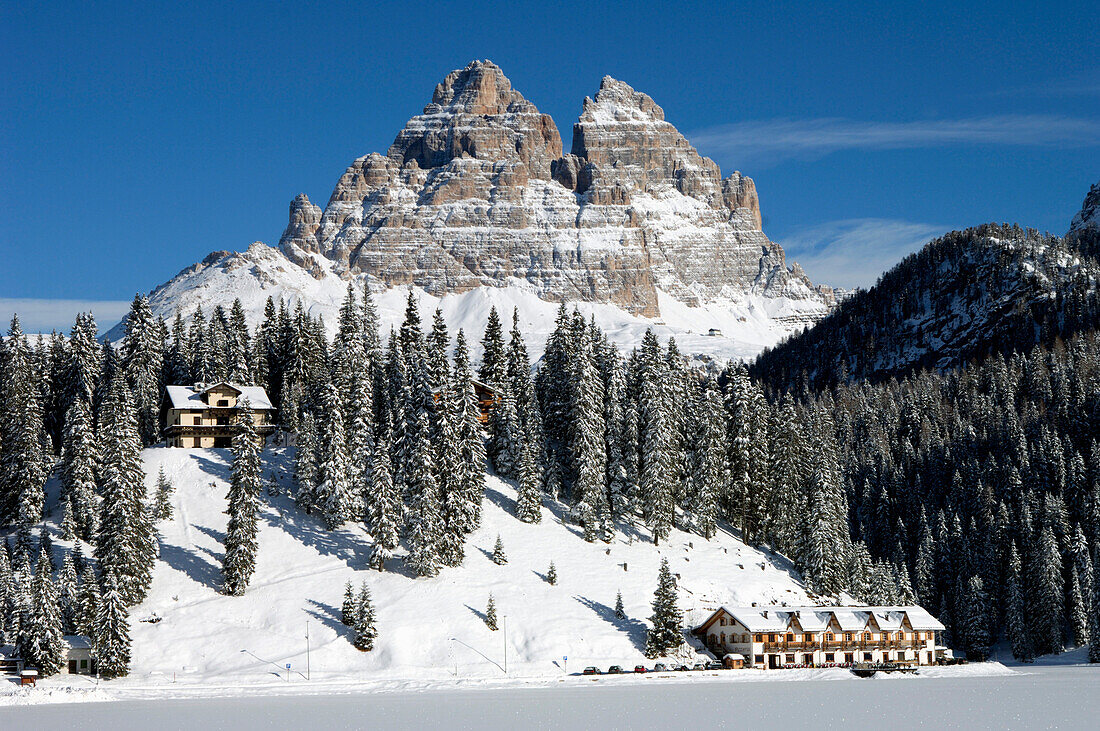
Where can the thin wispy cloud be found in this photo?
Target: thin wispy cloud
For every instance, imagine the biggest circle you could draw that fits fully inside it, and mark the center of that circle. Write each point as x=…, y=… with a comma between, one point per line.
x=47, y=315
x=784, y=138
x=854, y=252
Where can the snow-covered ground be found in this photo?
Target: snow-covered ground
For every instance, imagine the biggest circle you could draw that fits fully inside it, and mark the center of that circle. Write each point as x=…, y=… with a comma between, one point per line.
x=431, y=630
x=437, y=663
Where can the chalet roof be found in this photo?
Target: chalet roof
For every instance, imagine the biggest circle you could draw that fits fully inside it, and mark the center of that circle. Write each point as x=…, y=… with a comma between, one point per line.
x=186, y=397
x=816, y=619
x=78, y=642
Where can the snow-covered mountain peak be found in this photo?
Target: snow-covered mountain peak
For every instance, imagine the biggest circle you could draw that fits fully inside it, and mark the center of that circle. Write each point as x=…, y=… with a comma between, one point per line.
x=1089, y=215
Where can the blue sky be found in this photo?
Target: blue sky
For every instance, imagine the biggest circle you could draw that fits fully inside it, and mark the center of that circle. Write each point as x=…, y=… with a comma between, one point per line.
x=136, y=138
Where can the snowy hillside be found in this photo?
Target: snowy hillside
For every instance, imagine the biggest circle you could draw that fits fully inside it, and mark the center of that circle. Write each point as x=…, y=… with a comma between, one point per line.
x=748, y=322
x=428, y=627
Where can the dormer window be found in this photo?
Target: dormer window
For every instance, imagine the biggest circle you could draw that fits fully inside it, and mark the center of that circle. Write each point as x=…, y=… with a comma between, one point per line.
x=223, y=402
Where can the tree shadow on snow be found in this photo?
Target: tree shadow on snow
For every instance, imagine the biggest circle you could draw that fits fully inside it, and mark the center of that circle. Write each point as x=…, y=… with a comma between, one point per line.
x=348, y=548
x=327, y=615
x=635, y=629
x=193, y=564
x=541, y=576
x=478, y=613
x=217, y=535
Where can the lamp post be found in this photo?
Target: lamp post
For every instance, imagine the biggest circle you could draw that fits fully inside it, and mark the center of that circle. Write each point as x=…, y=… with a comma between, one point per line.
x=505, y=644
x=307, y=649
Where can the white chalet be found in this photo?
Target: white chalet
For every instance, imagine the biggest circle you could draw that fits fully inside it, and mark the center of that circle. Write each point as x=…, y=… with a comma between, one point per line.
x=203, y=415
x=777, y=637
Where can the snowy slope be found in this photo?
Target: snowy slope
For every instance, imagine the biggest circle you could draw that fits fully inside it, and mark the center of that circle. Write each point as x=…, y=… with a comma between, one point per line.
x=748, y=322
x=429, y=628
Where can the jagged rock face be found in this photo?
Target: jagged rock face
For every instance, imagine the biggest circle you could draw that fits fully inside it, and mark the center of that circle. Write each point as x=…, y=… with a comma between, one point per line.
x=476, y=191
x=1089, y=215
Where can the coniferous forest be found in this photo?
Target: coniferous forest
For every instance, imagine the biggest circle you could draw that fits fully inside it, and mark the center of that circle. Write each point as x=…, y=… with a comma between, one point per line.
x=975, y=492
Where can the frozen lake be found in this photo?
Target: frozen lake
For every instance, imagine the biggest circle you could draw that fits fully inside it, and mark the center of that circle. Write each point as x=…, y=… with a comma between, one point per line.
x=1048, y=697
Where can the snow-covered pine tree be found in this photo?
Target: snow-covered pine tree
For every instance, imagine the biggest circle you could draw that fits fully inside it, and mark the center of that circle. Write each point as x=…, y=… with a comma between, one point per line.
x=365, y=631
x=529, y=495
x=470, y=465
x=177, y=354
x=111, y=630
x=620, y=612
x=88, y=602
x=306, y=471
x=238, y=346
x=41, y=642
x=499, y=557
x=45, y=546
x=243, y=504
x=1078, y=609
x=162, y=498
x=665, y=634
x=22, y=460
x=424, y=517
x=1048, y=599
x=974, y=630
x=505, y=436
x=708, y=459
x=383, y=503
x=78, y=465
x=655, y=442
x=493, y=369
x=1019, y=635
x=1094, y=614
x=491, y=613
x=85, y=361
x=587, y=442
x=143, y=362
x=334, y=497
x=126, y=542
x=552, y=575
x=348, y=607
x=67, y=582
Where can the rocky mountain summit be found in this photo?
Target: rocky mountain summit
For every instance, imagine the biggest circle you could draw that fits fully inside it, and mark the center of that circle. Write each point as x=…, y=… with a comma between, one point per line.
x=477, y=191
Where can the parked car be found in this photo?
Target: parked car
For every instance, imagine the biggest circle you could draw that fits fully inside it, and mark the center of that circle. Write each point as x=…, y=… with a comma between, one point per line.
x=698, y=666
x=591, y=670
x=681, y=668
x=660, y=667
x=640, y=669
x=614, y=670
x=715, y=666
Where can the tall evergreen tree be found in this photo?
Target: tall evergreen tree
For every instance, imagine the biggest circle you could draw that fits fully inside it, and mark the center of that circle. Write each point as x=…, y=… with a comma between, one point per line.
x=383, y=503
x=143, y=362
x=111, y=630
x=365, y=631
x=126, y=542
x=41, y=641
x=665, y=634
x=334, y=496
x=243, y=505
x=78, y=467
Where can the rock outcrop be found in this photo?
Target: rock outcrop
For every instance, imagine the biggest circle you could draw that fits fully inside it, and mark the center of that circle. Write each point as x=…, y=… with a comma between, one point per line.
x=1089, y=215
x=476, y=191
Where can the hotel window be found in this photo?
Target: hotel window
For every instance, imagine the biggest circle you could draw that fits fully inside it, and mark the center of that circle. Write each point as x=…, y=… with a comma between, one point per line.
x=866, y=636
x=722, y=621
x=828, y=636
x=771, y=638
x=847, y=636
x=790, y=637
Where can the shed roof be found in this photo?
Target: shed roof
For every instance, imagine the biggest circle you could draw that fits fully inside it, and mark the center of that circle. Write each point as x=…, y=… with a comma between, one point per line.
x=186, y=397
x=78, y=642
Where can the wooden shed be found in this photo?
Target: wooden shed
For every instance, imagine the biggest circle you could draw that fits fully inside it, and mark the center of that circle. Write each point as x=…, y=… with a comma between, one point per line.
x=733, y=661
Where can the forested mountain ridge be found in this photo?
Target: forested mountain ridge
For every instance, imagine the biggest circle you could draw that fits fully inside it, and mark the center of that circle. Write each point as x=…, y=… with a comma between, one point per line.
x=993, y=288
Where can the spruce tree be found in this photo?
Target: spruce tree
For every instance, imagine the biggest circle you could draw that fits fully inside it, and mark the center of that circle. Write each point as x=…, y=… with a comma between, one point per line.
x=111, y=631
x=365, y=631
x=1019, y=635
x=243, y=505
x=499, y=557
x=348, y=607
x=470, y=463
x=78, y=466
x=142, y=362
x=425, y=519
x=1049, y=595
x=22, y=460
x=88, y=602
x=491, y=614
x=334, y=497
x=552, y=575
x=162, y=498
x=974, y=623
x=620, y=612
x=1094, y=614
x=67, y=584
x=383, y=503
x=41, y=641
x=306, y=471
x=127, y=540
x=529, y=496
x=665, y=634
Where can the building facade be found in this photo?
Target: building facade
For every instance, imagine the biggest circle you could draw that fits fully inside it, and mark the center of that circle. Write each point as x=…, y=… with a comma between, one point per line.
x=781, y=637
x=204, y=415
